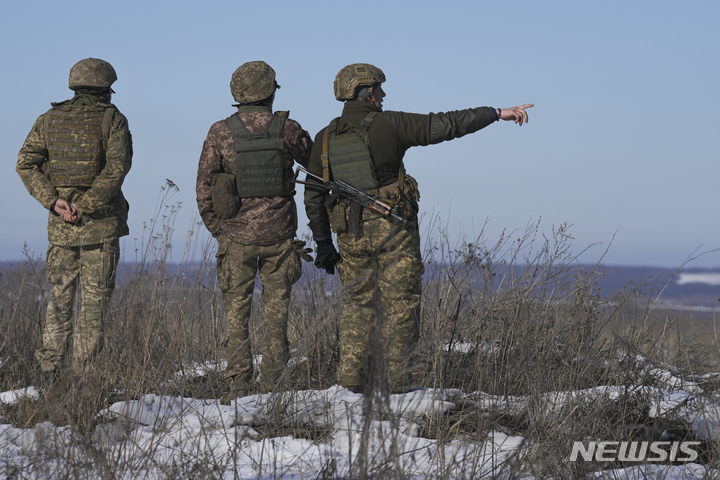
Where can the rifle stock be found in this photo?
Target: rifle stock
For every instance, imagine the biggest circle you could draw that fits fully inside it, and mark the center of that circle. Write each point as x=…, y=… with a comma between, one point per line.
x=343, y=189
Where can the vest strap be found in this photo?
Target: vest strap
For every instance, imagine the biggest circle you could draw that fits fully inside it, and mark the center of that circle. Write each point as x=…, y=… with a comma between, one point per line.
x=324, y=157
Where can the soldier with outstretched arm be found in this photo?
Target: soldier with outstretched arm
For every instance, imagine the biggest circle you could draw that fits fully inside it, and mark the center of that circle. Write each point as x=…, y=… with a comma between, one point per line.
x=379, y=256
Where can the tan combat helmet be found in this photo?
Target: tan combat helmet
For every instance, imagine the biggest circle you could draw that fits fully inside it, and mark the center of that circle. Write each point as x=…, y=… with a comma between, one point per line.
x=356, y=75
x=91, y=73
x=252, y=82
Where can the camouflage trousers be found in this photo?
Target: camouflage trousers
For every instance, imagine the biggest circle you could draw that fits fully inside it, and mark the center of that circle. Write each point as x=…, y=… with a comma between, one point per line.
x=381, y=272
x=93, y=268
x=237, y=267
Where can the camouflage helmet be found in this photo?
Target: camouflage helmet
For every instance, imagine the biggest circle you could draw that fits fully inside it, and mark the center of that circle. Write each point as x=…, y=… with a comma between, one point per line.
x=356, y=75
x=91, y=73
x=252, y=82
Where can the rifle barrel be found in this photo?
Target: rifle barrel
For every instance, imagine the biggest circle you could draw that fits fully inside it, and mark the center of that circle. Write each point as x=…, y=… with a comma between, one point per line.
x=302, y=169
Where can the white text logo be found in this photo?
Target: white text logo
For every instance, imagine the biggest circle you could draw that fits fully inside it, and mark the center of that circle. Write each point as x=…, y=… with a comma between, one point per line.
x=635, y=451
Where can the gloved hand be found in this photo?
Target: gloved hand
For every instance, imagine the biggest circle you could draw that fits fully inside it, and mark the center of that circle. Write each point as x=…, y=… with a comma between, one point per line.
x=327, y=256
x=303, y=252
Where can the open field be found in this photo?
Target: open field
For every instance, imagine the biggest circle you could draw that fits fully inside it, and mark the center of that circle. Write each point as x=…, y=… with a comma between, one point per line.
x=518, y=343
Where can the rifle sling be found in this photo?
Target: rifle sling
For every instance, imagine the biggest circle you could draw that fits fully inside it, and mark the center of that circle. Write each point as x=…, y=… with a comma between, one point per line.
x=324, y=157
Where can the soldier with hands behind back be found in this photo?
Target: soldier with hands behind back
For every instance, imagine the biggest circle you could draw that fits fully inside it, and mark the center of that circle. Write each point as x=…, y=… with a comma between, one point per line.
x=245, y=194
x=74, y=162
x=379, y=258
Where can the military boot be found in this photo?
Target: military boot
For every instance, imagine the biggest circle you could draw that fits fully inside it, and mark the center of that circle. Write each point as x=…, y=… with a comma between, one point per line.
x=88, y=400
x=52, y=384
x=237, y=390
x=56, y=396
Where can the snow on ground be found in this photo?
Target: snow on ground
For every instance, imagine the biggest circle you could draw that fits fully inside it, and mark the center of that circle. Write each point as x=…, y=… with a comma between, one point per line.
x=708, y=278
x=12, y=397
x=158, y=437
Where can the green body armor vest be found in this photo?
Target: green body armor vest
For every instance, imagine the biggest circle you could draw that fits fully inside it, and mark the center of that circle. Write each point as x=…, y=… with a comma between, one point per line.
x=76, y=139
x=259, y=164
x=349, y=155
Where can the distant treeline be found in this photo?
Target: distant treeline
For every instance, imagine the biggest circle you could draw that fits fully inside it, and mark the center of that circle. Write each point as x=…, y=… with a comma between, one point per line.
x=613, y=281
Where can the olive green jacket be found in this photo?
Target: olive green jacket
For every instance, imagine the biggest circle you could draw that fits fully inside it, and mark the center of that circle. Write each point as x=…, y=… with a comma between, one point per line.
x=102, y=207
x=391, y=134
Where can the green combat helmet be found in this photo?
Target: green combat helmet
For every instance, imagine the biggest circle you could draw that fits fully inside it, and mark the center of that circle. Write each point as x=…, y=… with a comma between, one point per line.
x=91, y=73
x=356, y=75
x=252, y=82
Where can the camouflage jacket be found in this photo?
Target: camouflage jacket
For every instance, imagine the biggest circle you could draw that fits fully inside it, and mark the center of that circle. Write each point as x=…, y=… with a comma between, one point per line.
x=260, y=221
x=102, y=207
x=390, y=135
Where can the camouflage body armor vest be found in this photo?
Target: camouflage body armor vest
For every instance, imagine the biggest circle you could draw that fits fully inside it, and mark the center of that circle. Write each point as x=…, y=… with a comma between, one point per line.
x=76, y=139
x=349, y=155
x=259, y=165
x=349, y=158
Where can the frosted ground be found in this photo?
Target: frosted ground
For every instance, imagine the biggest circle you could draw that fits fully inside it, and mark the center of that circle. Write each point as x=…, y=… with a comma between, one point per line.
x=165, y=437
x=160, y=437
x=709, y=278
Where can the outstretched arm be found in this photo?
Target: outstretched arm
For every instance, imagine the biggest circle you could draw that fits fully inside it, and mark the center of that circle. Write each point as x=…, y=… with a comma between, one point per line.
x=516, y=114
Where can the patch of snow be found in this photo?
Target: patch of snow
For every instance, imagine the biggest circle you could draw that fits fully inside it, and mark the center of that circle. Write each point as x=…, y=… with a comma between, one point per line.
x=154, y=434
x=708, y=278
x=14, y=396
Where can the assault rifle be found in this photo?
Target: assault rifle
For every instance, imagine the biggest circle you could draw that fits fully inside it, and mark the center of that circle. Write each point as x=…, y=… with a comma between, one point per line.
x=340, y=189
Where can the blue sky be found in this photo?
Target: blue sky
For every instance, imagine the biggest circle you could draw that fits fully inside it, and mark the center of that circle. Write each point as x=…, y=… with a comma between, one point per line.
x=622, y=142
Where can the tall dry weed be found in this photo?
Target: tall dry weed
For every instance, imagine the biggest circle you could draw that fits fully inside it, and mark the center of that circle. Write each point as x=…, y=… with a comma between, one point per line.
x=512, y=321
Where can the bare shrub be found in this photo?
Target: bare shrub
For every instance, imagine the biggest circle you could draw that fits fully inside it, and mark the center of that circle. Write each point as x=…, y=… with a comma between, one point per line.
x=515, y=332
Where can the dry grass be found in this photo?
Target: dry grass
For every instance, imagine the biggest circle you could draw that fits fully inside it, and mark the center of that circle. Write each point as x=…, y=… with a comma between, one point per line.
x=518, y=317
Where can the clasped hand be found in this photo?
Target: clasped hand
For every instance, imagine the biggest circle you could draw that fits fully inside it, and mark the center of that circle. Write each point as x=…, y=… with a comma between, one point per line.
x=67, y=211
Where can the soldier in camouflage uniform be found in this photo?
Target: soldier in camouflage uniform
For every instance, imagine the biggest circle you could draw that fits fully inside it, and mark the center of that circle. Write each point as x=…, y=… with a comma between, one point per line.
x=379, y=260
x=245, y=194
x=74, y=162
